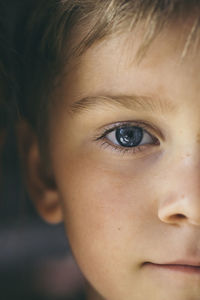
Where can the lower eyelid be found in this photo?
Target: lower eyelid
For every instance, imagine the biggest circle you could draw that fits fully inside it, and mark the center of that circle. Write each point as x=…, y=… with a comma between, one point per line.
x=125, y=150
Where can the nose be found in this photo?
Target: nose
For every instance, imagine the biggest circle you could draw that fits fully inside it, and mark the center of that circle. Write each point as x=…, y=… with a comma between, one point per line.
x=179, y=210
x=181, y=203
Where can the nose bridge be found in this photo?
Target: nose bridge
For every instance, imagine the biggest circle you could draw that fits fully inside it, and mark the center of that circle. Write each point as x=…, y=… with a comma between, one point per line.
x=181, y=202
x=185, y=171
x=188, y=172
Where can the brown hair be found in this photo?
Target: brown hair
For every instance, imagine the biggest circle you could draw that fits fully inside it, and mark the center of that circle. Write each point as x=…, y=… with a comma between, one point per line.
x=47, y=38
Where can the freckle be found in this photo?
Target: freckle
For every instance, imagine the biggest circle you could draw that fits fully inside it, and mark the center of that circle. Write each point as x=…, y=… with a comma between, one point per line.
x=119, y=228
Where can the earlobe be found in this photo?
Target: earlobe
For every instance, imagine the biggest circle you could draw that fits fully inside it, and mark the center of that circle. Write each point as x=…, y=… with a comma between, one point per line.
x=41, y=189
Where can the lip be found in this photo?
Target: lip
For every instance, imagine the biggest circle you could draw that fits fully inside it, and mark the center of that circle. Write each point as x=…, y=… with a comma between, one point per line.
x=183, y=266
x=186, y=262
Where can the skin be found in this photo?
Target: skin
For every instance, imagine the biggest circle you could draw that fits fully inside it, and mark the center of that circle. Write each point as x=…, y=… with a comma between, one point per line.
x=123, y=209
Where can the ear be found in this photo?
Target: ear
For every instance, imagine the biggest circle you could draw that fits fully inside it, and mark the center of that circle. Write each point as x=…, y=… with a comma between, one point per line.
x=40, y=185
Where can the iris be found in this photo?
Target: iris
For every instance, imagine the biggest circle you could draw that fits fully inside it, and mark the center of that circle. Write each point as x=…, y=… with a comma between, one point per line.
x=129, y=136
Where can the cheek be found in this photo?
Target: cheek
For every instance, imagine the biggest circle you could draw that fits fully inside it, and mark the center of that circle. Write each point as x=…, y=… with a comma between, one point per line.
x=102, y=204
x=106, y=212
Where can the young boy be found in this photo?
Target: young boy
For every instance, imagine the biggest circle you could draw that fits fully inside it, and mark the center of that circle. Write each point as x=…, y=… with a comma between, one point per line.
x=111, y=92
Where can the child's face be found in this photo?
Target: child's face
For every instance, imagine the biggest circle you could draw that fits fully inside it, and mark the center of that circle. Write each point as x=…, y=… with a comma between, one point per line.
x=132, y=214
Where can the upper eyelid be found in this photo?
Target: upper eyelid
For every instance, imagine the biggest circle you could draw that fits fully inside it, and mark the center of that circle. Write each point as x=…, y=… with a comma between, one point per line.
x=148, y=127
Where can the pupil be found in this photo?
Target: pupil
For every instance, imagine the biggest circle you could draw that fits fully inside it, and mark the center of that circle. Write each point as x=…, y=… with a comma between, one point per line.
x=129, y=136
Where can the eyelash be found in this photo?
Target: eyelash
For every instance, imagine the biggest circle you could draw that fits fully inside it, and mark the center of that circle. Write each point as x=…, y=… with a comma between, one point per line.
x=127, y=150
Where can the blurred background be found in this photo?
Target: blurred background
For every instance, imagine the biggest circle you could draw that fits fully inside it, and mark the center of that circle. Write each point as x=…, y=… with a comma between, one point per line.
x=35, y=259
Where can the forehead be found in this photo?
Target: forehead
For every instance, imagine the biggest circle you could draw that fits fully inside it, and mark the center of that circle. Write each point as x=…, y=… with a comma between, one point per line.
x=111, y=66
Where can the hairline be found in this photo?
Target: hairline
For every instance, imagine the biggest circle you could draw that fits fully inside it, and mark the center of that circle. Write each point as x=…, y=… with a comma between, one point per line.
x=94, y=34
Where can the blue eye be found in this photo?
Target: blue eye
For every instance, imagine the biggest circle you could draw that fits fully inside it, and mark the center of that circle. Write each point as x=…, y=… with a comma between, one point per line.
x=129, y=136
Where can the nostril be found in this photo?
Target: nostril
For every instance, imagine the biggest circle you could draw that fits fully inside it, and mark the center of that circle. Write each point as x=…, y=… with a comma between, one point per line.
x=178, y=217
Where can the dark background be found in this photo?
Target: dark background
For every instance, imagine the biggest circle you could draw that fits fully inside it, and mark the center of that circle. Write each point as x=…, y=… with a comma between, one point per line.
x=35, y=259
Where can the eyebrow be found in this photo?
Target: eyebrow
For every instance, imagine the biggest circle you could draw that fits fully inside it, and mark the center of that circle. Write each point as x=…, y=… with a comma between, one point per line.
x=149, y=104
